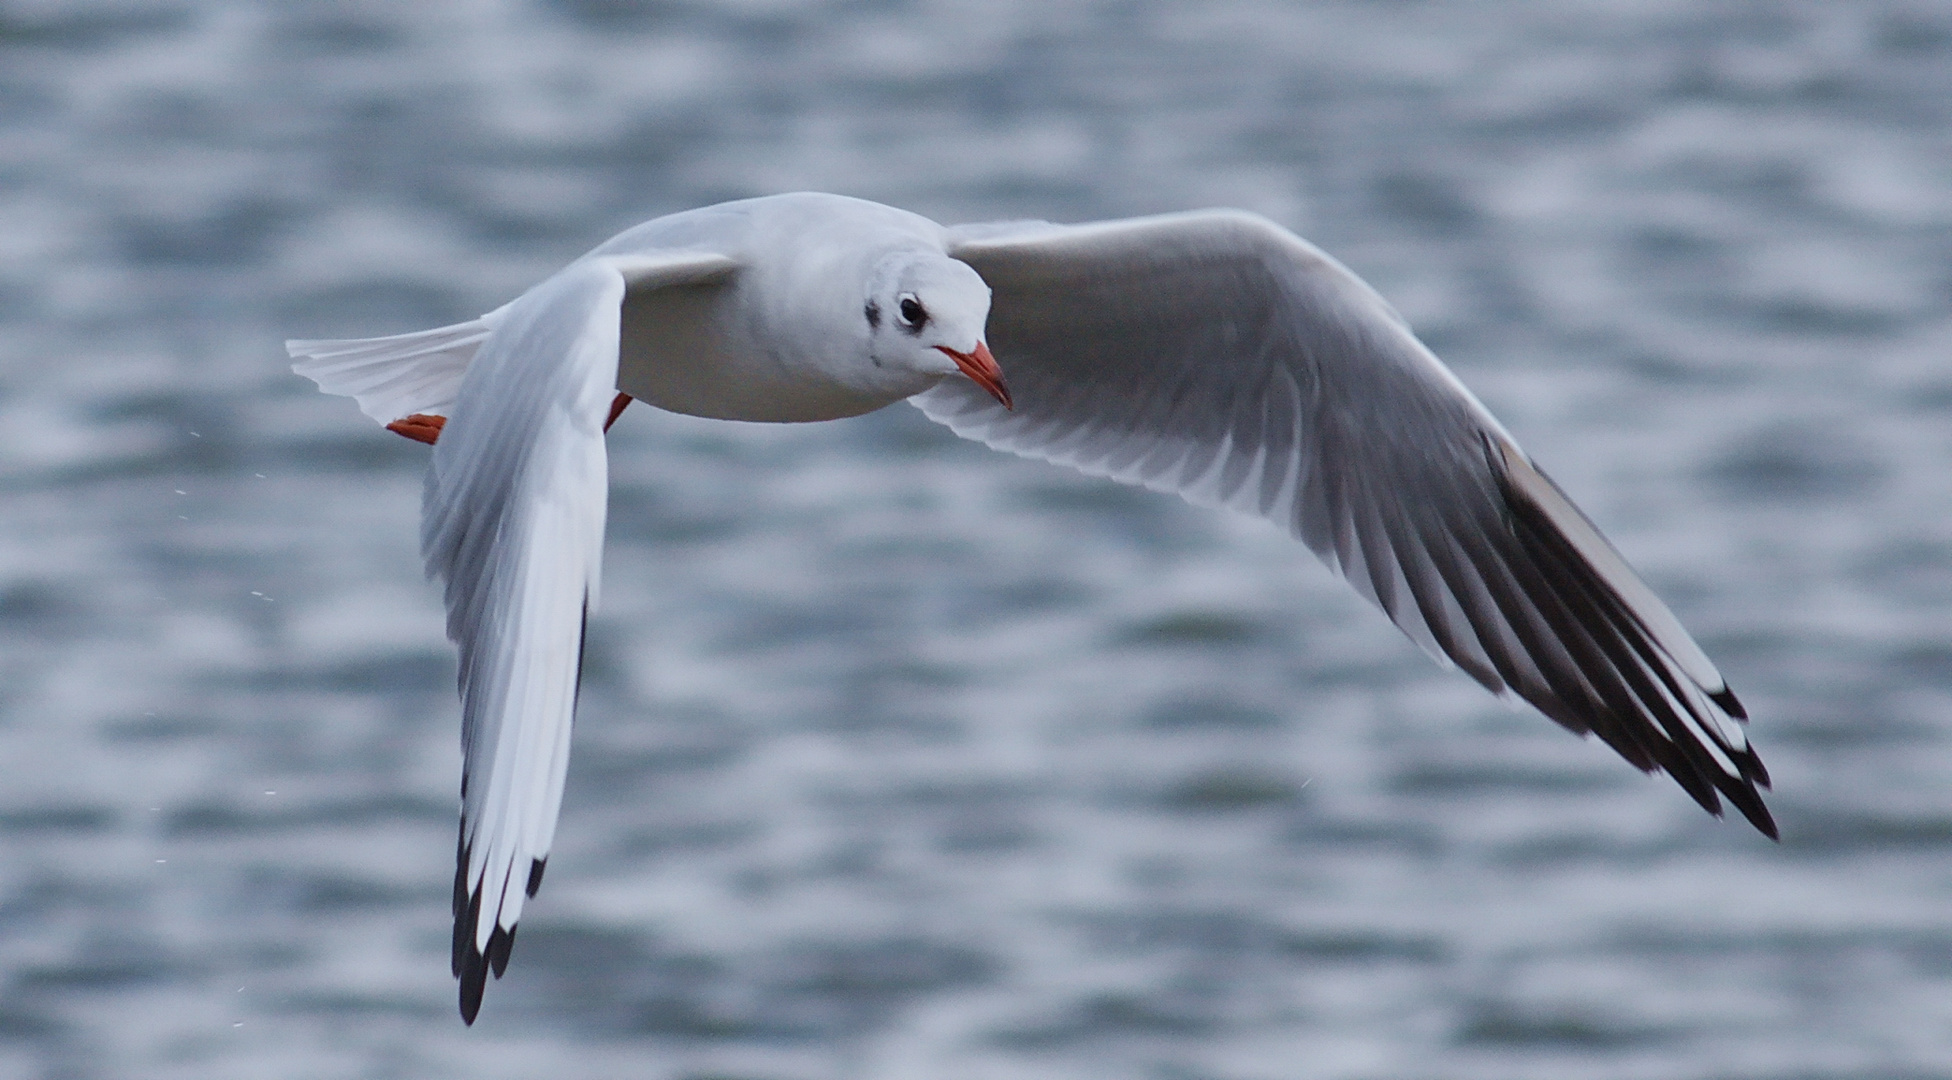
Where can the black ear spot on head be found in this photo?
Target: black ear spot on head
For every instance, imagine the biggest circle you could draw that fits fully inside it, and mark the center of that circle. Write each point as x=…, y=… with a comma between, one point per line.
x=874, y=314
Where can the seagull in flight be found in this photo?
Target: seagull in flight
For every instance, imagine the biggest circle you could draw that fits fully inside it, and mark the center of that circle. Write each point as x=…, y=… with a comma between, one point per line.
x=1210, y=353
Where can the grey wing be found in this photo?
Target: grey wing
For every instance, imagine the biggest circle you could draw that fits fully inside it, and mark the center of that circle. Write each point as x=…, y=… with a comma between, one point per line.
x=1218, y=356
x=512, y=522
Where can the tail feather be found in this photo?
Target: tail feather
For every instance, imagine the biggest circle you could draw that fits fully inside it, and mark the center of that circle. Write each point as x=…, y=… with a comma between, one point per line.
x=393, y=377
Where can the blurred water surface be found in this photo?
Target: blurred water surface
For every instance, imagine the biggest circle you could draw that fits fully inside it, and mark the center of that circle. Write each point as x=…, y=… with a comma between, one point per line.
x=901, y=758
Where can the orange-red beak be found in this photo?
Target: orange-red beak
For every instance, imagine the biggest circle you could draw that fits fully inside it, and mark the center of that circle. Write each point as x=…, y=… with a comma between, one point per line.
x=981, y=368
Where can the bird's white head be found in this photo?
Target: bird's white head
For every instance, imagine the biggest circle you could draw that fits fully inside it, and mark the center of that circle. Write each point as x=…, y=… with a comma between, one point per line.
x=926, y=312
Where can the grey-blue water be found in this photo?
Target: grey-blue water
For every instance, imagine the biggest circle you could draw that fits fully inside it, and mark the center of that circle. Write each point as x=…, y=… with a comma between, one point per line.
x=900, y=758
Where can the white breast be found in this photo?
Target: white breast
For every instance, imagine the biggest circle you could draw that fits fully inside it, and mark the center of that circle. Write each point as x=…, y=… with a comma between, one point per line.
x=697, y=350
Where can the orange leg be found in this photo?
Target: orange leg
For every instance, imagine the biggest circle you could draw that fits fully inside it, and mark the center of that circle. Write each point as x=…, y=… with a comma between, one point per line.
x=617, y=409
x=419, y=427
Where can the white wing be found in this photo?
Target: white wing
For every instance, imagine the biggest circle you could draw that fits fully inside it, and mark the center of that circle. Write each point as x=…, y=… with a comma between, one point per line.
x=512, y=521
x=1216, y=355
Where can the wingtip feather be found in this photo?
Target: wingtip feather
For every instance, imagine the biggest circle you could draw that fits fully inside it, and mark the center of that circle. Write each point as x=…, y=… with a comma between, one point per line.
x=1641, y=654
x=1729, y=703
x=474, y=981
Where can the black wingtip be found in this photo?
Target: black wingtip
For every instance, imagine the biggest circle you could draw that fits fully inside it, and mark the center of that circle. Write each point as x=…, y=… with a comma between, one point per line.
x=1750, y=804
x=1767, y=826
x=499, y=945
x=467, y=963
x=1645, y=683
x=474, y=980
x=473, y=966
x=466, y=918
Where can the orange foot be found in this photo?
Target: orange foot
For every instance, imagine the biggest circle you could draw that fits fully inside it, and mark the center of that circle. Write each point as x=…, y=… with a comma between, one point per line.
x=419, y=427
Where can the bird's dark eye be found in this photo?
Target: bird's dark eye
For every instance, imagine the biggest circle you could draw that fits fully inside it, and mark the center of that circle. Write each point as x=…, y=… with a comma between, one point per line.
x=912, y=312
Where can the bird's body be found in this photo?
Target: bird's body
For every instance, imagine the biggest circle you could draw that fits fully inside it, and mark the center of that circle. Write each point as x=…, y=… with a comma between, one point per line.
x=780, y=341
x=1212, y=354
